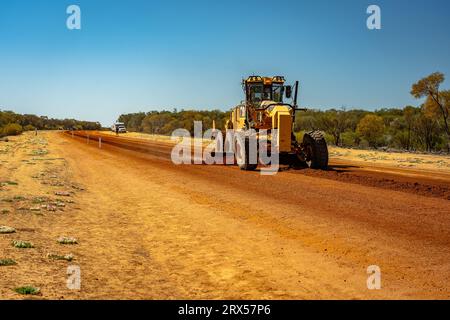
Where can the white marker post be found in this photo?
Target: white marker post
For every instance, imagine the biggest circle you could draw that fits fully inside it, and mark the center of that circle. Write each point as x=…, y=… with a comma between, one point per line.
x=100, y=142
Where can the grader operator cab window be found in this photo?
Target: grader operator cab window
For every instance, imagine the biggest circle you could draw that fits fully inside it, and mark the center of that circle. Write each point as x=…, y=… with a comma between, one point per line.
x=267, y=93
x=277, y=92
x=273, y=92
x=256, y=93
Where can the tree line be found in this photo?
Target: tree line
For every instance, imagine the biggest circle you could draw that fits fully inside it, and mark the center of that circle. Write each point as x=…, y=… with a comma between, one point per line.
x=13, y=124
x=164, y=122
x=416, y=128
x=422, y=128
x=410, y=128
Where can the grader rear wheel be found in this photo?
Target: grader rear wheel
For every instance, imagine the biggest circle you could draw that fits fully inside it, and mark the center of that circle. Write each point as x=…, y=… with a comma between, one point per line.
x=316, y=150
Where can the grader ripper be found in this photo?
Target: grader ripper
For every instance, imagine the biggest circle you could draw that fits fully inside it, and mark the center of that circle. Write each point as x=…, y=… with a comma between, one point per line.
x=263, y=111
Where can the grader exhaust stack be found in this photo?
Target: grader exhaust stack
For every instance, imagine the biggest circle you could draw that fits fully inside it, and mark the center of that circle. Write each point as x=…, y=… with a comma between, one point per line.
x=264, y=110
x=296, y=94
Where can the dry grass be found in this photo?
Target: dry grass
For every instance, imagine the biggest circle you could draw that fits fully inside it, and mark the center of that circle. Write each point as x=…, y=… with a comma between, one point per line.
x=439, y=163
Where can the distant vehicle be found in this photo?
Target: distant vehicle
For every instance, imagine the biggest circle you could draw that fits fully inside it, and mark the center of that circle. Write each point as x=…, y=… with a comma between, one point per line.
x=119, y=127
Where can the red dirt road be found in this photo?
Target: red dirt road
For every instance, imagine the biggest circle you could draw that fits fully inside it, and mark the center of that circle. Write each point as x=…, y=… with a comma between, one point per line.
x=197, y=231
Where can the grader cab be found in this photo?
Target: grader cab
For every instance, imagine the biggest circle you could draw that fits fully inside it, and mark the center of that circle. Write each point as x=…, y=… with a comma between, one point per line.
x=265, y=112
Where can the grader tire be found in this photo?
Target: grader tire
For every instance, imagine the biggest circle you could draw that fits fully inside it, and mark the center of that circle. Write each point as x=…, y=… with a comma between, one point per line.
x=316, y=150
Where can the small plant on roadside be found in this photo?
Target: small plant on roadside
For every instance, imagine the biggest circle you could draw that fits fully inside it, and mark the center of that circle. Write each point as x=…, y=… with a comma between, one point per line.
x=7, y=262
x=62, y=193
x=22, y=244
x=27, y=290
x=6, y=230
x=39, y=152
x=10, y=183
x=39, y=200
x=67, y=240
x=67, y=257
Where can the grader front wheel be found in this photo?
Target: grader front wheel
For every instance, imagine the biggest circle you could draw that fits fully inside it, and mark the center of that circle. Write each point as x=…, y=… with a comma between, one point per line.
x=316, y=150
x=243, y=155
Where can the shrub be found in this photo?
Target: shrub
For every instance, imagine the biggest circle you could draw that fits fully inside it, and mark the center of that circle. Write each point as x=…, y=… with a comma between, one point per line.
x=28, y=127
x=22, y=244
x=12, y=129
x=349, y=139
x=67, y=240
x=7, y=230
x=67, y=257
x=329, y=138
x=27, y=290
x=7, y=262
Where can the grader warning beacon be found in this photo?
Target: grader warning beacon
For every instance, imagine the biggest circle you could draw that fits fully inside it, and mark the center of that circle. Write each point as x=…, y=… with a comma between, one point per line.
x=263, y=111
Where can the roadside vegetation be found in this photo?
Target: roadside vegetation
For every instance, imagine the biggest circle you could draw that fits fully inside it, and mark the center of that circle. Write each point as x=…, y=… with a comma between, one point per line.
x=30, y=197
x=28, y=290
x=12, y=124
x=412, y=128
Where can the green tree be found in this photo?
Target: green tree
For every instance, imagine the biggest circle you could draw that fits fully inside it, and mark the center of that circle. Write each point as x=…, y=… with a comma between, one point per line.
x=334, y=122
x=371, y=128
x=426, y=128
x=408, y=114
x=429, y=87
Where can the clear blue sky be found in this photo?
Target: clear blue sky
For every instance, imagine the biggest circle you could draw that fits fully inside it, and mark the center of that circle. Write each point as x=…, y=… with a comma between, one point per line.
x=141, y=55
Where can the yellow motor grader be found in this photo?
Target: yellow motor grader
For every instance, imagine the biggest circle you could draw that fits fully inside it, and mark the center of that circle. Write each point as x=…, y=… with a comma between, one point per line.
x=262, y=112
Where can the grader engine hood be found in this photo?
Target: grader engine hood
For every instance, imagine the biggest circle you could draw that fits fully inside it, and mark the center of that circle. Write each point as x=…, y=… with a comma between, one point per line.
x=281, y=116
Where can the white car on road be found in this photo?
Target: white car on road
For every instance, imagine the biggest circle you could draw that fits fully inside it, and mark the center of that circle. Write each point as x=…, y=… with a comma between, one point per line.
x=119, y=127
